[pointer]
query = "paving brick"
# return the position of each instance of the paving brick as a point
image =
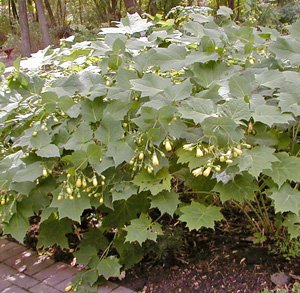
(122, 290)
(3, 241)
(107, 287)
(4, 285)
(14, 289)
(22, 280)
(6, 271)
(19, 258)
(43, 288)
(61, 286)
(39, 265)
(60, 276)
(50, 271)
(7, 246)
(12, 252)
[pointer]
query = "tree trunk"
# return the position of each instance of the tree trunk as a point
(131, 6)
(24, 28)
(43, 23)
(231, 4)
(50, 13)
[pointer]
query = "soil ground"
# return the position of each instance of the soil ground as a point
(217, 264)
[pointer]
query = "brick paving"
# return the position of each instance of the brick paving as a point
(23, 270)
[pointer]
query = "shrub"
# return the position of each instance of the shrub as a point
(147, 113)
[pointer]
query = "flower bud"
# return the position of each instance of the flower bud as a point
(141, 156)
(188, 147)
(95, 181)
(69, 190)
(155, 160)
(168, 146)
(199, 153)
(78, 182)
(229, 161)
(198, 172)
(207, 172)
(149, 169)
(45, 172)
(238, 151)
(218, 168)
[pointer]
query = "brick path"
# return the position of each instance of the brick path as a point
(22, 270)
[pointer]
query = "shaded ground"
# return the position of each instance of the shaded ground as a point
(216, 265)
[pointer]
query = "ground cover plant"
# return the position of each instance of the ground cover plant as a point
(156, 118)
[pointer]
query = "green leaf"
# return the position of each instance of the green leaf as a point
(172, 57)
(286, 48)
(240, 189)
(79, 140)
(270, 115)
(94, 155)
(256, 160)
(109, 267)
(292, 223)
(208, 74)
(48, 151)
(53, 231)
(71, 209)
(179, 92)
(236, 110)
(166, 202)
(30, 173)
(270, 78)
(153, 182)
(123, 190)
(190, 158)
(225, 11)
(66, 86)
(126, 210)
(41, 139)
(240, 87)
(110, 130)
(197, 109)
(118, 46)
(287, 168)
(286, 199)
(197, 215)
(142, 229)
(223, 130)
(94, 237)
(130, 253)
(92, 111)
(19, 222)
(150, 84)
(85, 254)
(120, 151)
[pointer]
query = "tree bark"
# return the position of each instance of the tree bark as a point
(131, 6)
(24, 28)
(43, 23)
(231, 4)
(50, 13)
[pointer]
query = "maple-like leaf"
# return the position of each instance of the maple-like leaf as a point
(165, 201)
(142, 229)
(197, 215)
(256, 160)
(53, 231)
(109, 267)
(154, 182)
(286, 199)
(241, 188)
(287, 168)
